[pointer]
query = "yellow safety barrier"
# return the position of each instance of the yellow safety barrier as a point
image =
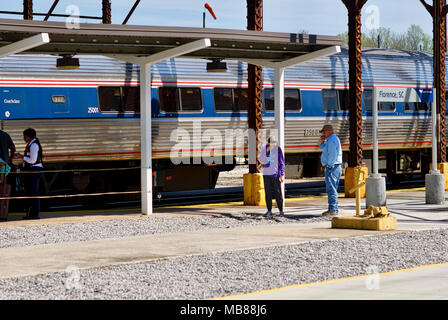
(360, 178)
(253, 186)
(374, 218)
(443, 167)
(351, 178)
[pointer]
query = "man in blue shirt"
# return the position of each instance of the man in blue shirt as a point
(273, 175)
(331, 159)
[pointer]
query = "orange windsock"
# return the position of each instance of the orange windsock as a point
(207, 6)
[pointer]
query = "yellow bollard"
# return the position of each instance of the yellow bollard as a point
(360, 180)
(351, 180)
(443, 167)
(374, 218)
(253, 187)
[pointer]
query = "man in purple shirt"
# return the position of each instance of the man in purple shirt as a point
(273, 175)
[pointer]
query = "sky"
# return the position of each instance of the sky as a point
(325, 17)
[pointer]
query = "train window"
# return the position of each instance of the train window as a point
(292, 100)
(344, 99)
(58, 99)
(174, 99)
(191, 99)
(382, 106)
(240, 99)
(119, 99)
(110, 98)
(223, 99)
(231, 99)
(169, 99)
(416, 106)
(386, 106)
(131, 99)
(330, 100)
(367, 94)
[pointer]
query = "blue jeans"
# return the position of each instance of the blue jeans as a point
(332, 177)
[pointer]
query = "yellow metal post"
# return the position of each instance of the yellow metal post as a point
(358, 201)
(360, 182)
(374, 218)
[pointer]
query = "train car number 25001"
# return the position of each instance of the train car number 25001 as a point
(93, 110)
(311, 133)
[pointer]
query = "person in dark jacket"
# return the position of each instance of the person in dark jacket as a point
(273, 175)
(7, 147)
(7, 152)
(32, 165)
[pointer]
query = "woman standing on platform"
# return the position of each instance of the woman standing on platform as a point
(273, 162)
(32, 165)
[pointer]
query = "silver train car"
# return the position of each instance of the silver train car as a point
(88, 119)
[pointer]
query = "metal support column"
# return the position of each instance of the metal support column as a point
(375, 184)
(438, 12)
(27, 9)
(145, 137)
(255, 85)
(145, 109)
(355, 91)
(279, 110)
(252, 182)
(107, 12)
(355, 159)
(434, 181)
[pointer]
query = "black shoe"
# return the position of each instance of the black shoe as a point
(30, 218)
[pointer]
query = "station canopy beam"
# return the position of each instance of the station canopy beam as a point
(146, 45)
(92, 38)
(24, 44)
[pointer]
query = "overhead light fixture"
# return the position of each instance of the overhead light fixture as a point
(216, 66)
(67, 62)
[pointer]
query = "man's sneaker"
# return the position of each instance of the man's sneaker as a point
(282, 214)
(268, 214)
(329, 213)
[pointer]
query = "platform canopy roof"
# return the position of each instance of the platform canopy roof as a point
(145, 45)
(141, 41)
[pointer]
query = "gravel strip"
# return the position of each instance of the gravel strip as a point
(87, 231)
(228, 273)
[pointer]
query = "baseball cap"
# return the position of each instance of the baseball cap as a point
(327, 127)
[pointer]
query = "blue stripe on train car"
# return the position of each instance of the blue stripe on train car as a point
(69, 102)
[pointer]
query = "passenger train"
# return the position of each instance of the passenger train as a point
(88, 119)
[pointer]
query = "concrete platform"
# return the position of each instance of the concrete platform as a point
(34, 260)
(409, 208)
(421, 283)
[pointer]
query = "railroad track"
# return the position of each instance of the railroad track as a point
(293, 190)
(209, 196)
